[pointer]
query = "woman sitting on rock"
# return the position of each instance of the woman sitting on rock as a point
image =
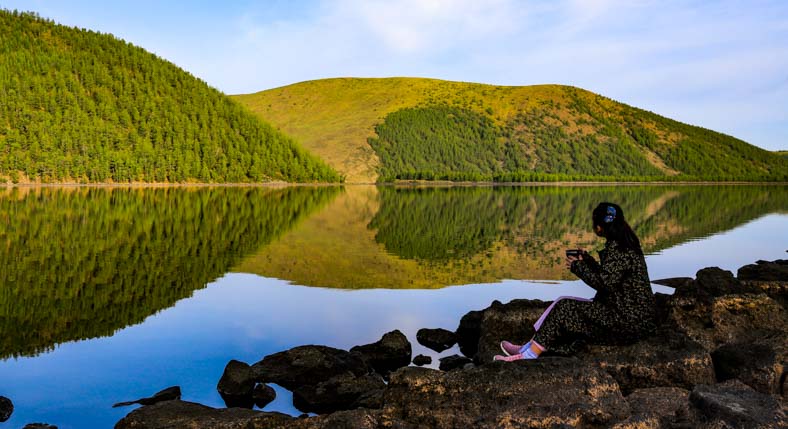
(623, 309)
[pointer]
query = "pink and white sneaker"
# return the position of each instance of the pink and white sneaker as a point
(527, 354)
(511, 358)
(510, 349)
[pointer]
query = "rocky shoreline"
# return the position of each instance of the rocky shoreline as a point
(718, 360)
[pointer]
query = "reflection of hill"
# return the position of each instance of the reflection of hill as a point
(433, 237)
(82, 263)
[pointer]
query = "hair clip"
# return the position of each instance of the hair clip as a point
(611, 214)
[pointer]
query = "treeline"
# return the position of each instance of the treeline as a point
(83, 263)
(579, 140)
(77, 105)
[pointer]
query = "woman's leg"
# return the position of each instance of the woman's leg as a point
(572, 319)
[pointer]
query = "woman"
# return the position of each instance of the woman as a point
(623, 309)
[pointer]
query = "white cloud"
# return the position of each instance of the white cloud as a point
(720, 64)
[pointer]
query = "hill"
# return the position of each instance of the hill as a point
(412, 128)
(80, 106)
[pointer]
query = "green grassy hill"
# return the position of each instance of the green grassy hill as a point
(80, 106)
(411, 128)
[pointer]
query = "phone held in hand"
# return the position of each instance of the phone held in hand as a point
(573, 253)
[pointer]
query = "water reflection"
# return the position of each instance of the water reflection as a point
(84, 262)
(407, 237)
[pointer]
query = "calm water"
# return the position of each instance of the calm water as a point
(112, 294)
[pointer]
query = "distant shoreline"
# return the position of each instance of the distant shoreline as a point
(405, 184)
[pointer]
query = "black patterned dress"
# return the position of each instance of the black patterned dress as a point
(622, 311)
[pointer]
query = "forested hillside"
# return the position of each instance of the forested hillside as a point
(80, 106)
(408, 128)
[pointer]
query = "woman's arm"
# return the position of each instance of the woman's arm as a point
(603, 277)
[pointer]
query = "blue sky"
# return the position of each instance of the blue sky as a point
(719, 64)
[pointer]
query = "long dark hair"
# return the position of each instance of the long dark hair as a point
(610, 217)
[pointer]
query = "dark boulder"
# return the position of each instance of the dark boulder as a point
(468, 332)
(668, 359)
(6, 408)
(747, 317)
(765, 271)
(551, 392)
(422, 360)
(734, 404)
(307, 365)
(180, 414)
(658, 407)
(713, 281)
(436, 339)
(512, 321)
(452, 362)
(263, 395)
(338, 393)
(676, 282)
(391, 352)
(725, 319)
(755, 364)
(237, 384)
(168, 394)
(352, 419)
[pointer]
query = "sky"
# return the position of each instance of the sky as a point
(722, 64)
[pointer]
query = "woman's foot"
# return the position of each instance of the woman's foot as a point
(527, 353)
(510, 349)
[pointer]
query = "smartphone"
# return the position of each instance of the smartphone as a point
(573, 252)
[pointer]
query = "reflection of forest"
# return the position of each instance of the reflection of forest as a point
(405, 237)
(84, 262)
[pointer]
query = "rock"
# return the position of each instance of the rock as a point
(307, 365)
(263, 395)
(355, 419)
(421, 360)
(747, 318)
(777, 290)
(512, 321)
(181, 414)
(391, 352)
(468, 332)
(449, 363)
(39, 426)
(725, 319)
(734, 404)
(6, 408)
(675, 282)
(550, 392)
(237, 384)
(168, 394)
(765, 271)
(338, 393)
(714, 282)
(754, 364)
(658, 407)
(436, 339)
(668, 359)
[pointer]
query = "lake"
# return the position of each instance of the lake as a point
(111, 294)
